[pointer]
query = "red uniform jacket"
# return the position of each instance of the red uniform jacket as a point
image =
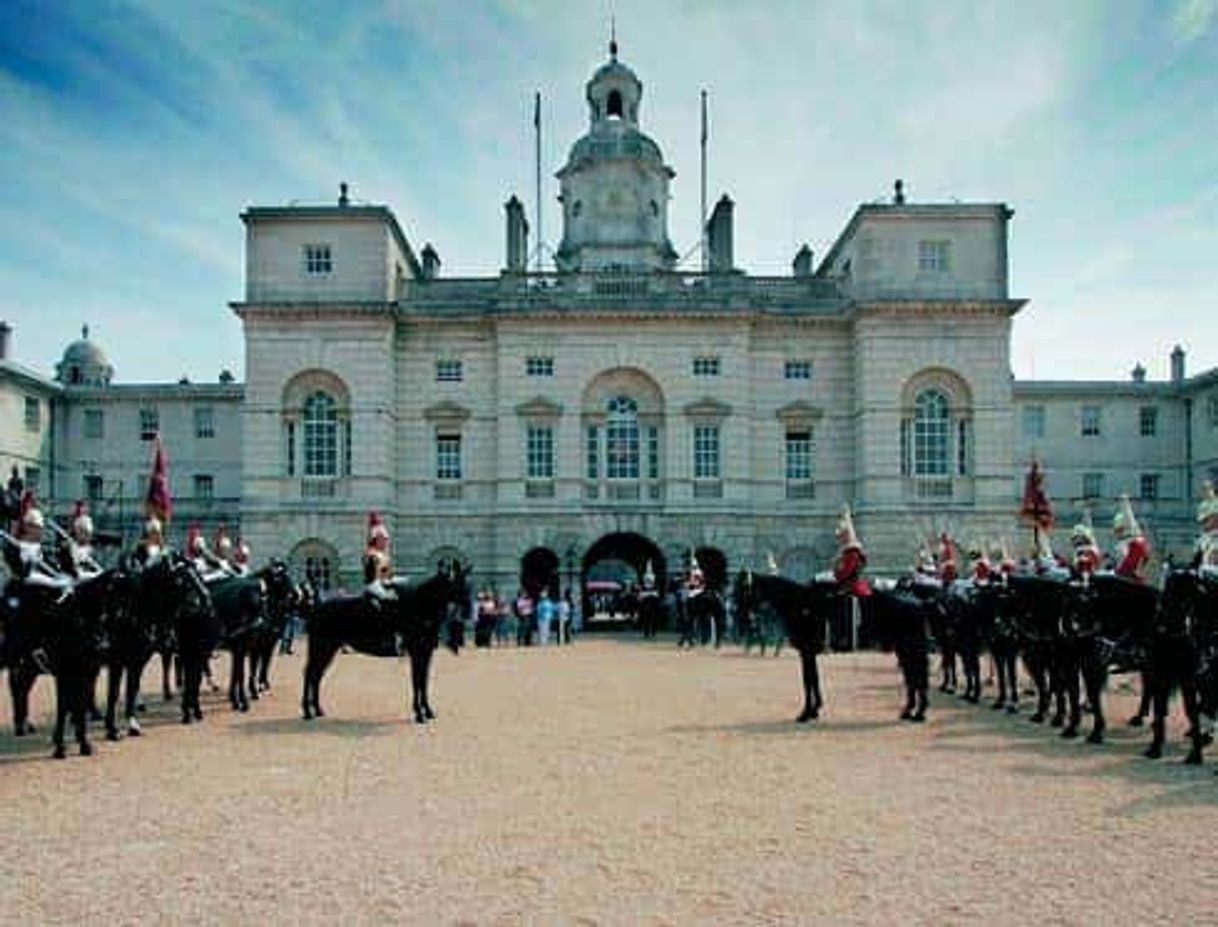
(1087, 559)
(848, 572)
(1136, 553)
(981, 572)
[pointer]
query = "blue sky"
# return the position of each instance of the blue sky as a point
(132, 134)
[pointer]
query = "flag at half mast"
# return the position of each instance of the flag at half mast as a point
(159, 503)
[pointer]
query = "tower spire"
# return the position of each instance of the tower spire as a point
(613, 37)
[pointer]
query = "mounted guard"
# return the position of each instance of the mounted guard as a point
(1132, 548)
(851, 559)
(1206, 551)
(79, 542)
(378, 569)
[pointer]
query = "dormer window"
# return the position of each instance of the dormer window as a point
(614, 104)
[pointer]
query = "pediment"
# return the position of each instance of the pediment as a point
(539, 407)
(446, 411)
(706, 407)
(799, 412)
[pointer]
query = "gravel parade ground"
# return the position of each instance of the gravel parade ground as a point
(609, 782)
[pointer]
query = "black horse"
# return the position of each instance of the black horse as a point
(410, 623)
(803, 611)
(1183, 654)
(651, 612)
(282, 597)
(901, 618)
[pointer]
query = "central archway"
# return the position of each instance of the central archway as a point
(615, 563)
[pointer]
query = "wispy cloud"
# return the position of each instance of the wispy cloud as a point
(1191, 19)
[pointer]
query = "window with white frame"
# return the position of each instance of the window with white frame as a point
(706, 366)
(538, 366)
(706, 452)
(448, 457)
(1090, 421)
(318, 261)
(93, 488)
(622, 439)
(934, 257)
(1033, 421)
(33, 413)
(150, 423)
(1148, 486)
(1148, 421)
(931, 434)
(204, 486)
(448, 370)
(95, 423)
(319, 423)
(1093, 485)
(317, 571)
(799, 456)
(539, 452)
(592, 452)
(205, 422)
(797, 370)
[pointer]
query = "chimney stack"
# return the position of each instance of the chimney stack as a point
(517, 236)
(1177, 365)
(719, 237)
(431, 262)
(898, 193)
(802, 265)
(342, 194)
(1138, 374)
(5, 331)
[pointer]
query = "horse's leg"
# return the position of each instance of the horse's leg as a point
(425, 659)
(61, 710)
(20, 681)
(416, 690)
(114, 677)
(1188, 694)
(321, 652)
(166, 668)
(1144, 703)
(91, 676)
(1095, 675)
(81, 684)
(903, 664)
(1070, 682)
(1161, 691)
(811, 685)
(135, 670)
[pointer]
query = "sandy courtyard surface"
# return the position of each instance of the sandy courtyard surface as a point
(609, 782)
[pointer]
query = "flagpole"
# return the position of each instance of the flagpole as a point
(702, 227)
(537, 133)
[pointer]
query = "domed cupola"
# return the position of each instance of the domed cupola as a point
(84, 364)
(615, 183)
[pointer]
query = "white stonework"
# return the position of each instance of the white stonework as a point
(375, 383)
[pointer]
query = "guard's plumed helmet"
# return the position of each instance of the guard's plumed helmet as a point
(649, 576)
(222, 543)
(1124, 524)
(1082, 535)
(82, 524)
(31, 515)
(152, 528)
(845, 533)
(376, 528)
(195, 544)
(241, 554)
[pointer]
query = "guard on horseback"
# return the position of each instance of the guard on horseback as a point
(948, 568)
(1206, 554)
(1132, 548)
(209, 567)
(223, 546)
(39, 582)
(851, 558)
(241, 558)
(1087, 557)
(378, 570)
(151, 546)
(695, 582)
(979, 566)
(79, 541)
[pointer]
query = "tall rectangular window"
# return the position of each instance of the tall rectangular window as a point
(539, 366)
(448, 457)
(95, 423)
(205, 422)
(33, 413)
(93, 488)
(592, 453)
(1033, 421)
(318, 261)
(1211, 408)
(347, 447)
(706, 452)
(1148, 486)
(963, 446)
(799, 456)
(934, 257)
(290, 450)
(204, 486)
(1093, 485)
(448, 371)
(1090, 419)
(539, 452)
(797, 370)
(150, 423)
(1148, 421)
(707, 366)
(653, 452)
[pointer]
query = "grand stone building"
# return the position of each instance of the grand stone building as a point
(621, 408)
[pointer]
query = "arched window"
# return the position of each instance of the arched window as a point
(931, 434)
(320, 420)
(622, 439)
(614, 104)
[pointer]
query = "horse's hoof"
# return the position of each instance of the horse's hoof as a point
(1012, 709)
(112, 735)
(1095, 737)
(133, 728)
(1193, 758)
(86, 749)
(318, 713)
(1037, 718)
(998, 706)
(1069, 733)
(906, 715)
(186, 719)
(60, 753)
(1152, 752)
(1056, 721)
(243, 707)
(198, 714)
(1136, 721)
(141, 707)
(918, 718)
(95, 715)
